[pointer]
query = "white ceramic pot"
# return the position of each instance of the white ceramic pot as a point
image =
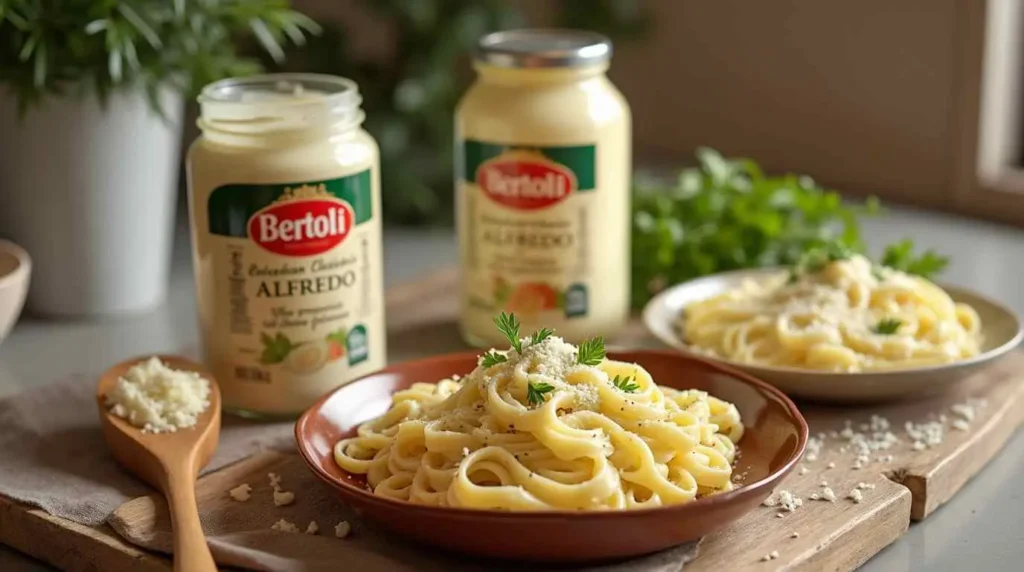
(90, 193)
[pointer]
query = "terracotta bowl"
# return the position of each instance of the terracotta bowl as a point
(775, 437)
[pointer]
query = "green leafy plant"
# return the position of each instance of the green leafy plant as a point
(900, 256)
(96, 46)
(275, 348)
(410, 96)
(726, 214)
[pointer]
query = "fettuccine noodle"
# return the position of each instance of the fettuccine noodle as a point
(847, 316)
(480, 442)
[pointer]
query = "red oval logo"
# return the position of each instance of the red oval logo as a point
(525, 185)
(302, 227)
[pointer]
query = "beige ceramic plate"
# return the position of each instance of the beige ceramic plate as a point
(1000, 326)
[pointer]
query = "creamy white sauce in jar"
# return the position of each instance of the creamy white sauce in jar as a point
(542, 187)
(284, 197)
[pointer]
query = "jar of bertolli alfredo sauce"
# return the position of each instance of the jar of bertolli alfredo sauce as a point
(542, 191)
(284, 197)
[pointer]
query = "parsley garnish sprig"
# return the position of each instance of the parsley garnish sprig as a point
(508, 325)
(535, 392)
(541, 335)
(887, 326)
(625, 384)
(493, 358)
(591, 351)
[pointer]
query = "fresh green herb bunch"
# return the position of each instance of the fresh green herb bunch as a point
(76, 46)
(726, 214)
(900, 256)
(591, 352)
(897, 256)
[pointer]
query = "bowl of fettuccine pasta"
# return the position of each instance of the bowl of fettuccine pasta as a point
(845, 330)
(547, 451)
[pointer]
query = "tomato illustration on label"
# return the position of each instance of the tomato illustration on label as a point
(532, 297)
(303, 227)
(525, 181)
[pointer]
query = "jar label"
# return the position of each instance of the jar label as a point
(525, 212)
(291, 279)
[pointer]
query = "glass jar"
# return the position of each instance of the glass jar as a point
(284, 198)
(542, 187)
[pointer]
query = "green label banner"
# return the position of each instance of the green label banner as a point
(231, 206)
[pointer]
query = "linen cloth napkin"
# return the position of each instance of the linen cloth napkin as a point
(53, 456)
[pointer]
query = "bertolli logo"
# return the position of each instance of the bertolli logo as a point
(525, 180)
(301, 226)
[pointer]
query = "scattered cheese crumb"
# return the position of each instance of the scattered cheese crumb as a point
(964, 410)
(795, 535)
(856, 496)
(828, 495)
(342, 529)
(241, 492)
(865, 486)
(785, 500)
(831, 465)
(780, 515)
(774, 554)
(275, 481)
(804, 470)
(313, 527)
(284, 526)
(465, 451)
(961, 425)
(814, 496)
(283, 498)
(929, 434)
(157, 398)
(919, 446)
(766, 558)
(814, 446)
(823, 483)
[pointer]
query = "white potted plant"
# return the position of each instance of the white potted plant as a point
(91, 104)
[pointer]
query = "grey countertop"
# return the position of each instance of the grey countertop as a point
(980, 529)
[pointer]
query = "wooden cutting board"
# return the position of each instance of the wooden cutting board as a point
(838, 535)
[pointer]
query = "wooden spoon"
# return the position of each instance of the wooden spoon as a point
(169, 462)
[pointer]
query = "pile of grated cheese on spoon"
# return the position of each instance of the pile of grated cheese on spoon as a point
(159, 399)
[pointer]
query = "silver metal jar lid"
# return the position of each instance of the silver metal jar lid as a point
(543, 48)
